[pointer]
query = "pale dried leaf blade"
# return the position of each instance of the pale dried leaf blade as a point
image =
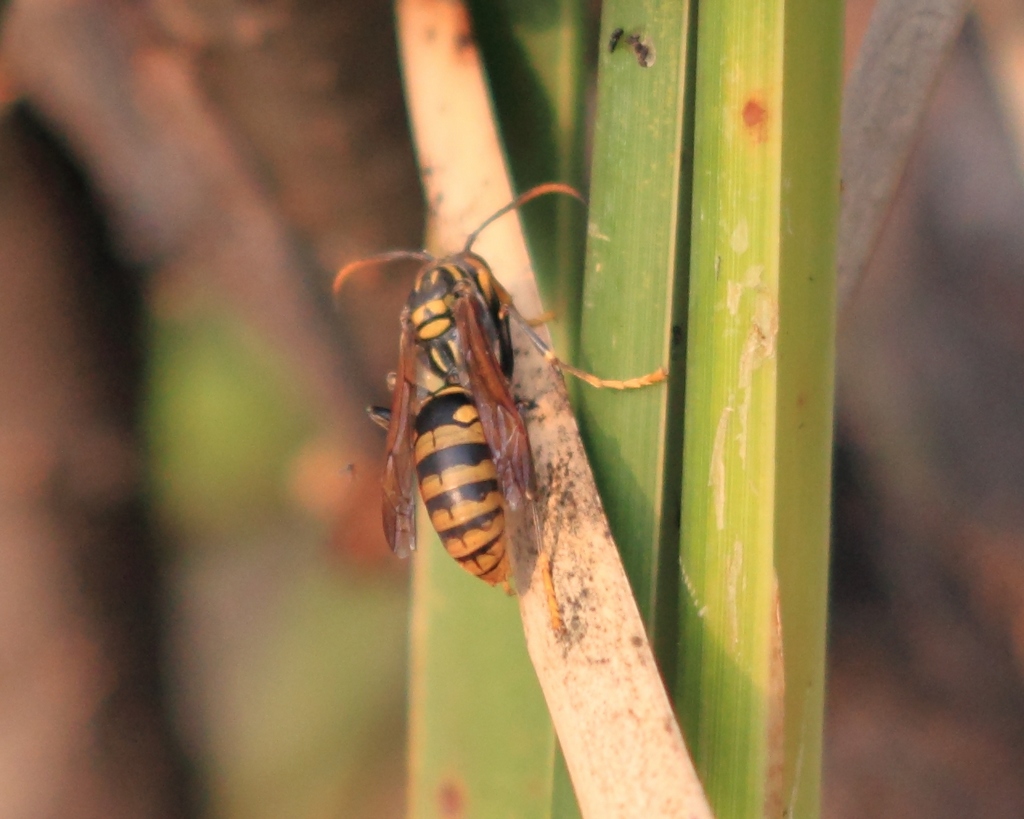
(613, 717)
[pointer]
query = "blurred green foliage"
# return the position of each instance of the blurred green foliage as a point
(291, 662)
(224, 418)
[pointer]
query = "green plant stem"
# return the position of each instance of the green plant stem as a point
(759, 399)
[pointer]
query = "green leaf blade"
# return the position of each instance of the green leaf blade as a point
(635, 274)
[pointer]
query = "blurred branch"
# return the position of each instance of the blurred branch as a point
(899, 62)
(85, 730)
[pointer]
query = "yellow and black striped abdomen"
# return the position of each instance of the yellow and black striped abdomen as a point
(459, 484)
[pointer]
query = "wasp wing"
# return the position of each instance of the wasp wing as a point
(399, 501)
(502, 425)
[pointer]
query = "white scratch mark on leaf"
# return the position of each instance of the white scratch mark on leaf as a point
(716, 480)
(732, 299)
(692, 591)
(751, 281)
(740, 239)
(752, 276)
(734, 582)
(758, 347)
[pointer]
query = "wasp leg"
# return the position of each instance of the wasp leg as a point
(647, 380)
(381, 416)
(554, 610)
(543, 318)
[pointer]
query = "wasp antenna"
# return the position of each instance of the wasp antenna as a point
(380, 258)
(522, 199)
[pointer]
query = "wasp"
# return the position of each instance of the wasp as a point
(454, 423)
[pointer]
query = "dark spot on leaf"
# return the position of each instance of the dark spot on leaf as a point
(451, 799)
(755, 117)
(643, 48)
(753, 113)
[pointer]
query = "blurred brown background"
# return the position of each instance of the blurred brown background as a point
(925, 698)
(198, 616)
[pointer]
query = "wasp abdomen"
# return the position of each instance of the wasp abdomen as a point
(459, 483)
